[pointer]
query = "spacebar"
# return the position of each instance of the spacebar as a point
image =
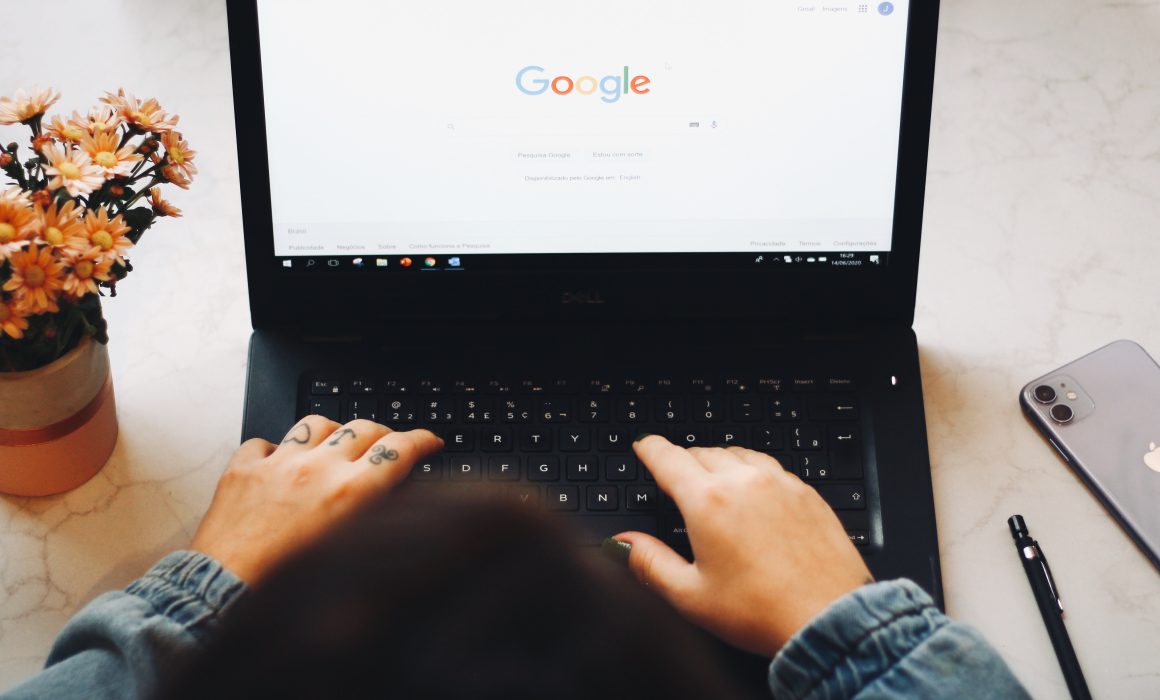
(594, 529)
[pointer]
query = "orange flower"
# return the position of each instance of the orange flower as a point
(142, 116)
(160, 206)
(69, 132)
(72, 170)
(107, 235)
(24, 107)
(37, 277)
(114, 161)
(12, 321)
(85, 270)
(98, 120)
(61, 226)
(18, 222)
(180, 154)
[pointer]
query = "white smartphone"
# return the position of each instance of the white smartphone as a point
(1102, 414)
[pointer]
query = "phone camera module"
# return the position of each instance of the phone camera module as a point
(1045, 394)
(1061, 413)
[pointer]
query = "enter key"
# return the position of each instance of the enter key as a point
(845, 452)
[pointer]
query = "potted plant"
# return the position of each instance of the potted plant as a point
(87, 189)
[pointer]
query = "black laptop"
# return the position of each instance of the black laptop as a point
(540, 230)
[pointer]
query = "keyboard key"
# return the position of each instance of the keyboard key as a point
(555, 410)
(612, 440)
(582, 468)
(633, 386)
(770, 385)
(805, 437)
(430, 469)
(640, 498)
(459, 441)
(363, 409)
(813, 467)
(784, 408)
(634, 410)
(692, 437)
(597, 386)
(671, 410)
(860, 538)
(398, 387)
(431, 386)
(325, 387)
(594, 410)
(531, 386)
(465, 468)
(746, 409)
(843, 496)
(735, 385)
(575, 440)
(497, 440)
(516, 410)
(562, 498)
(477, 410)
(805, 384)
(707, 409)
(665, 385)
(594, 529)
(846, 453)
(620, 468)
(399, 412)
(465, 387)
(535, 440)
(701, 385)
(767, 438)
(729, 436)
(503, 468)
(498, 387)
(834, 407)
(329, 408)
(362, 386)
(439, 410)
(543, 469)
(563, 387)
(840, 383)
(527, 494)
(602, 498)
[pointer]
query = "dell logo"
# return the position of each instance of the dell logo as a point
(585, 297)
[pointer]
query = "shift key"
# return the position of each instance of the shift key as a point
(843, 496)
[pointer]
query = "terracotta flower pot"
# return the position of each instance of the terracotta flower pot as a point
(58, 423)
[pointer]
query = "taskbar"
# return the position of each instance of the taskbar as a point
(378, 263)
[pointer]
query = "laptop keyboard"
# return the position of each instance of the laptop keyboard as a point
(564, 444)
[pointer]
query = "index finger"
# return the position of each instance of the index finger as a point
(677, 472)
(389, 460)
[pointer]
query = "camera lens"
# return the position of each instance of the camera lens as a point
(1061, 413)
(1044, 394)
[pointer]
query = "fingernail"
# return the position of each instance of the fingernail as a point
(640, 437)
(616, 550)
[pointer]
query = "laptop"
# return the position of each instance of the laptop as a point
(542, 229)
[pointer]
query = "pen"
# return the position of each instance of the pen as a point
(1050, 605)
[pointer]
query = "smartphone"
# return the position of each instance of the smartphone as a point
(1102, 414)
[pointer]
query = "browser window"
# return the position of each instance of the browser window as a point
(444, 129)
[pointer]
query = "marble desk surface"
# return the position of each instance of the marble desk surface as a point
(1041, 242)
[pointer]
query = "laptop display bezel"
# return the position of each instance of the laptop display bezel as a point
(816, 296)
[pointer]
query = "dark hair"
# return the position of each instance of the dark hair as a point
(450, 598)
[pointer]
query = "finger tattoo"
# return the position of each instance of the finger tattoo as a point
(380, 453)
(299, 435)
(340, 435)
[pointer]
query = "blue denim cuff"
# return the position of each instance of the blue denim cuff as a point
(856, 639)
(190, 588)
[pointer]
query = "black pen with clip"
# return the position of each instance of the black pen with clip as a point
(1050, 606)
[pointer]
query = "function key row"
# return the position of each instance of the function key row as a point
(401, 410)
(366, 386)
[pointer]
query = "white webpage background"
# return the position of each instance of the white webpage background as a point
(397, 126)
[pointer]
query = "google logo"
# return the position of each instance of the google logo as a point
(530, 81)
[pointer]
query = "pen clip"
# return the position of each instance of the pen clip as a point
(1037, 553)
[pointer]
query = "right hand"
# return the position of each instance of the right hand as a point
(770, 554)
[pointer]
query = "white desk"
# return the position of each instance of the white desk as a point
(1041, 240)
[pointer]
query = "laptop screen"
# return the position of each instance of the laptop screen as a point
(453, 136)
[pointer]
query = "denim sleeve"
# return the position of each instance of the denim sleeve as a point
(888, 640)
(119, 645)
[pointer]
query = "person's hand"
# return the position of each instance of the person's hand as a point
(271, 500)
(769, 553)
